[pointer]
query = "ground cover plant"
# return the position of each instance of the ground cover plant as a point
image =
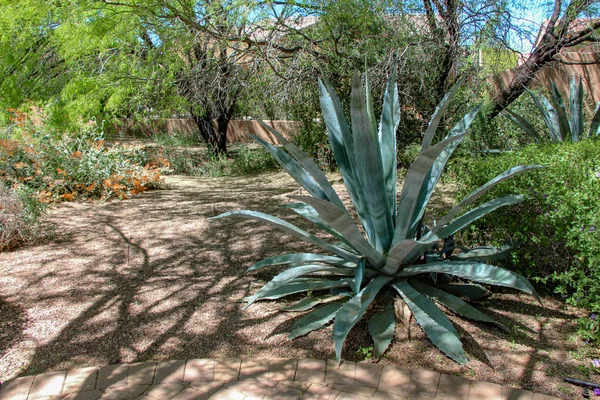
(555, 233)
(400, 255)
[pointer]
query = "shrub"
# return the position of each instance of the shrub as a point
(556, 231)
(399, 258)
(19, 217)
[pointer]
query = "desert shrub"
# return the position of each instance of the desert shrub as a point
(312, 139)
(555, 233)
(71, 165)
(20, 212)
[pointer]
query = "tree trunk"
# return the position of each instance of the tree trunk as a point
(215, 137)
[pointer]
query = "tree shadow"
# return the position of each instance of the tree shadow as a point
(13, 320)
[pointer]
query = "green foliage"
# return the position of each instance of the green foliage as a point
(557, 229)
(398, 252)
(20, 213)
(562, 123)
(312, 139)
(62, 168)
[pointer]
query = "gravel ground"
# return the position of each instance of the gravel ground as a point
(150, 279)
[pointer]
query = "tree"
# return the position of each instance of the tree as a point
(571, 24)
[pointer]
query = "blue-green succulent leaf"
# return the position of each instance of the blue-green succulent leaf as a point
(595, 124)
(382, 326)
(523, 124)
(309, 165)
(314, 320)
(307, 303)
(298, 258)
(293, 168)
(473, 271)
(353, 310)
(576, 106)
(301, 285)
(548, 114)
(455, 304)
(438, 114)
(294, 230)
(559, 112)
(369, 170)
(308, 212)
(433, 321)
(358, 275)
(342, 223)
(484, 254)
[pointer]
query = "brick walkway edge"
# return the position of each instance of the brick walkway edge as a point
(254, 379)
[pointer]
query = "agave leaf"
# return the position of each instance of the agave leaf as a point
(595, 124)
(455, 304)
(353, 310)
(309, 165)
(294, 230)
(291, 274)
(406, 252)
(472, 291)
(358, 275)
(474, 271)
(369, 101)
(301, 285)
(433, 321)
(308, 212)
(548, 114)
(438, 114)
(476, 213)
(390, 119)
(296, 258)
(382, 327)
(558, 107)
(484, 254)
(417, 174)
(293, 168)
(369, 170)
(576, 106)
(480, 191)
(342, 223)
(437, 168)
(314, 320)
(342, 144)
(306, 303)
(523, 124)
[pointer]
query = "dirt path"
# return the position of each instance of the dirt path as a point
(152, 279)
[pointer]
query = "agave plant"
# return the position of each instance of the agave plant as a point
(397, 255)
(560, 124)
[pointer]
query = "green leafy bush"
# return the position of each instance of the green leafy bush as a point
(556, 231)
(399, 258)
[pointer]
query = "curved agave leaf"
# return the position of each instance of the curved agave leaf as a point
(576, 107)
(358, 275)
(307, 303)
(309, 165)
(548, 114)
(523, 124)
(342, 144)
(558, 108)
(308, 212)
(298, 258)
(474, 271)
(382, 327)
(472, 291)
(484, 254)
(342, 223)
(404, 251)
(390, 119)
(438, 114)
(291, 274)
(314, 320)
(595, 124)
(369, 170)
(301, 285)
(433, 321)
(455, 304)
(437, 168)
(369, 101)
(480, 191)
(294, 230)
(293, 168)
(353, 310)
(415, 178)
(478, 212)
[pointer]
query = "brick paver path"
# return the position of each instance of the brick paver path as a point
(247, 379)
